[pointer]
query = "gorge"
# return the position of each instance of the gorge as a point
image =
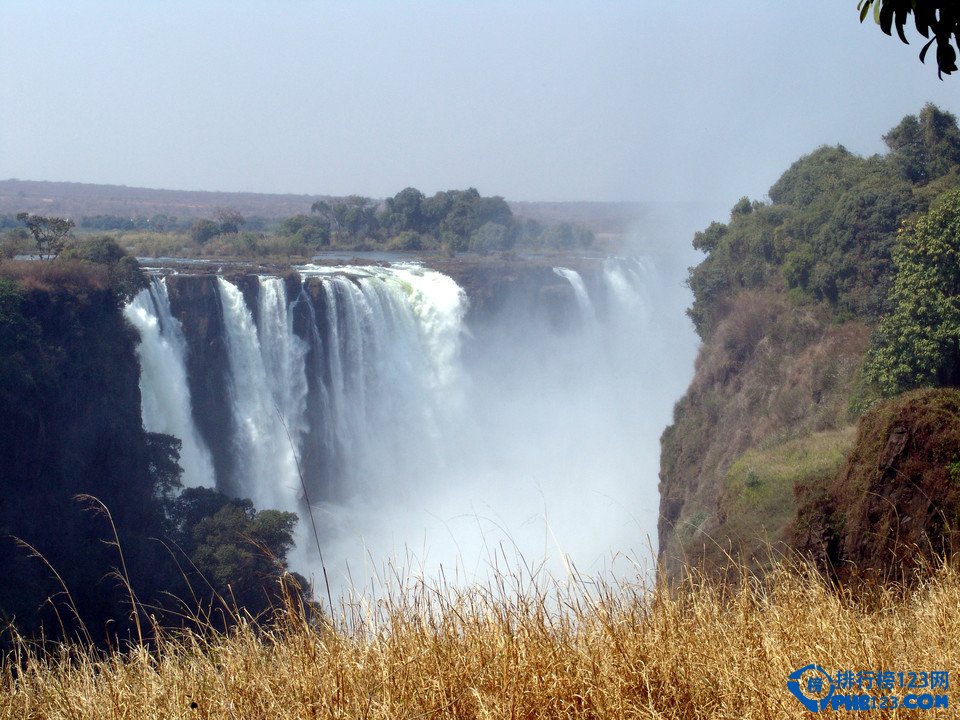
(438, 419)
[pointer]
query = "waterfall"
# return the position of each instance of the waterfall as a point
(267, 465)
(284, 355)
(539, 438)
(630, 280)
(389, 372)
(587, 312)
(164, 393)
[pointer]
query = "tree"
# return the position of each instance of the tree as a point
(927, 147)
(50, 233)
(918, 343)
(354, 217)
(308, 230)
(325, 211)
(203, 230)
(230, 221)
(490, 237)
(940, 17)
(404, 211)
(240, 551)
(126, 277)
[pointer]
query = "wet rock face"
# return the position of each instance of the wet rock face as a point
(195, 302)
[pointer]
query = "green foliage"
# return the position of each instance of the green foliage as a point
(821, 174)
(918, 343)
(126, 277)
(239, 551)
(22, 357)
(448, 222)
(404, 212)
(925, 148)
(707, 240)
(306, 230)
(163, 458)
(100, 249)
(939, 17)
(490, 237)
(954, 469)
(829, 234)
(410, 240)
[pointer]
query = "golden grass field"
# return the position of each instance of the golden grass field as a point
(519, 647)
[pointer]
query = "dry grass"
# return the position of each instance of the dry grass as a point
(520, 647)
(69, 275)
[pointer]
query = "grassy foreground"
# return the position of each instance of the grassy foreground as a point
(517, 648)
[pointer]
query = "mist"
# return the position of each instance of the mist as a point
(548, 450)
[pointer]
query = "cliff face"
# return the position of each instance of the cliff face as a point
(69, 424)
(768, 406)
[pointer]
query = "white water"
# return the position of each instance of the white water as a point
(587, 312)
(164, 394)
(266, 464)
(283, 355)
(392, 358)
(426, 445)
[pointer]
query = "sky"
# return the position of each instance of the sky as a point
(691, 100)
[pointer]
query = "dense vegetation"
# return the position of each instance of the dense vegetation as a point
(78, 473)
(790, 289)
(918, 342)
(828, 233)
(448, 222)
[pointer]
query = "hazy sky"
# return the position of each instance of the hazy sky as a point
(683, 100)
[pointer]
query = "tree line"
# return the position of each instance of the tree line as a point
(448, 222)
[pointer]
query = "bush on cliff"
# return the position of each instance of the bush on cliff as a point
(918, 343)
(896, 503)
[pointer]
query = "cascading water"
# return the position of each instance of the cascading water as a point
(423, 441)
(587, 313)
(164, 393)
(266, 465)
